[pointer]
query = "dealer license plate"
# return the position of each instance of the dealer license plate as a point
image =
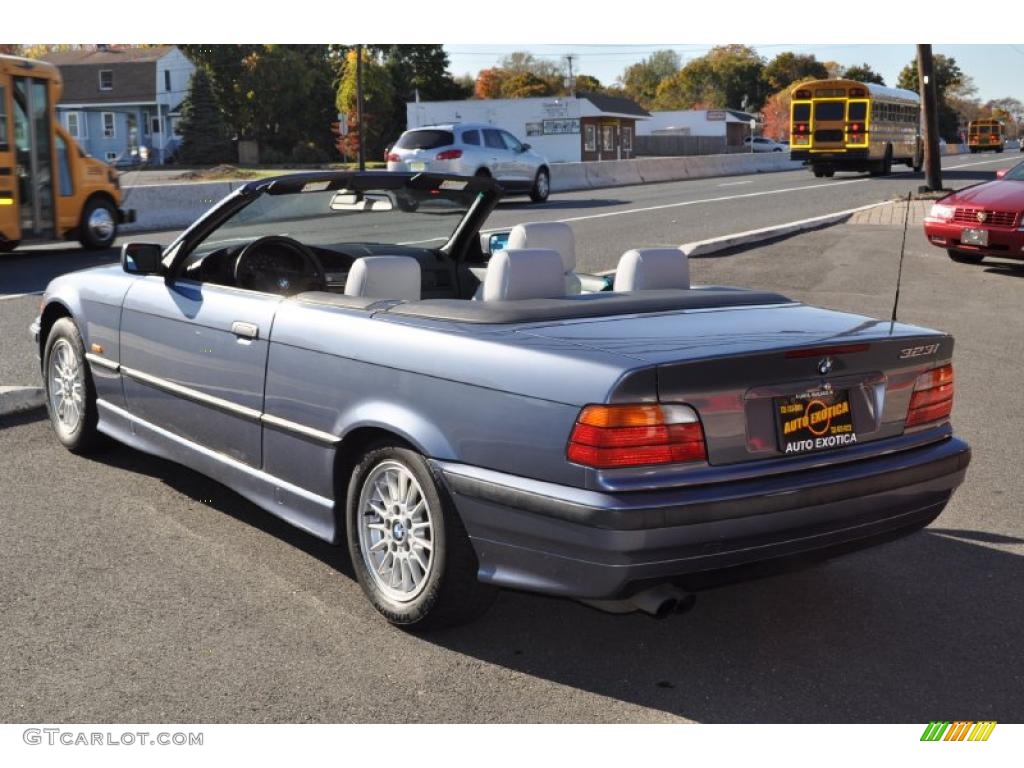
(417, 166)
(814, 421)
(974, 237)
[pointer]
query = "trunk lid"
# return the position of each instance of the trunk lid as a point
(741, 367)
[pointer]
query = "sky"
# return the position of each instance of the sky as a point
(998, 70)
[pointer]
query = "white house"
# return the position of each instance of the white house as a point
(730, 124)
(122, 104)
(587, 126)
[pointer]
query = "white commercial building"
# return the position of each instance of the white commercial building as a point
(730, 124)
(588, 126)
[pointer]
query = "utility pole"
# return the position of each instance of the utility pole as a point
(359, 105)
(570, 81)
(929, 99)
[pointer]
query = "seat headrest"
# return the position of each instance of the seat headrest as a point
(384, 277)
(524, 273)
(554, 235)
(644, 269)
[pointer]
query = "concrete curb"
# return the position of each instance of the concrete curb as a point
(18, 399)
(715, 244)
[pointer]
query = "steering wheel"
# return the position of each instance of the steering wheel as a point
(279, 264)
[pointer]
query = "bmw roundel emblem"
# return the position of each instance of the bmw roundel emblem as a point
(825, 366)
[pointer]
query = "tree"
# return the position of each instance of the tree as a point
(489, 83)
(523, 85)
(789, 67)
(204, 136)
(640, 81)
(834, 69)
(863, 73)
(728, 76)
(378, 103)
(950, 82)
(588, 84)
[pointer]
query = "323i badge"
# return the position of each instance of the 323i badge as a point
(814, 421)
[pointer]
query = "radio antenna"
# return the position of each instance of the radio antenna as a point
(899, 274)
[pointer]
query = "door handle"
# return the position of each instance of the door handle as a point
(245, 330)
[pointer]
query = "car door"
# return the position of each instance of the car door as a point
(519, 159)
(193, 359)
(498, 155)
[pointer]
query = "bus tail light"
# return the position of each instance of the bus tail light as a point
(933, 397)
(608, 436)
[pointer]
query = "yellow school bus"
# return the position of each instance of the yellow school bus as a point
(985, 135)
(49, 188)
(844, 125)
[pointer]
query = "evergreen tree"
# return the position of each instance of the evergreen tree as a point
(204, 139)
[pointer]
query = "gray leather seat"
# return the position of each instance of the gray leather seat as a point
(554, 235)
(384, 277)
(524, 273)
(645, 269)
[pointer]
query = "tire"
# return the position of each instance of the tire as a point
(6, 246)
(482, 173)
(884, 166)
(999, 151)
(431, 542)
(818, 174)
(828, 173)
(65, 370)
(98, 228)
(541, 186)
(964, 257)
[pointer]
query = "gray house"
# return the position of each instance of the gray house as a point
(122, 104)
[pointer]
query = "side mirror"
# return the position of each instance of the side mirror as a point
(525, 146)
(498, 241)
(1001, 172)
(142, 258)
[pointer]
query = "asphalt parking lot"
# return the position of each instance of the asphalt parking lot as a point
(133, 590)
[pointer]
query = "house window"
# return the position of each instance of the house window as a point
(109, 130)
(154, 126)
(608, 137)
(145, 123)
(111, 156)
(106, 79)
(167, 79)
(64, 168)
(627, 139)
(77, 127)
(590, 138)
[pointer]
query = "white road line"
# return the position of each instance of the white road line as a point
(980, 162)
(735, 183)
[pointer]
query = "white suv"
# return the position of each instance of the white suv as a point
(473, 149)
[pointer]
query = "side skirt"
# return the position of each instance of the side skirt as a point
(308, 511)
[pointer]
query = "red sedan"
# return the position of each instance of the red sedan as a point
(983, 220)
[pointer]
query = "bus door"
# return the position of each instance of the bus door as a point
(9, 226)
(33, 156)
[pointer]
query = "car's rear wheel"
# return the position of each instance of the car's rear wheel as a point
(965, 257)
(482, 173)
(409, 549)
(98, 228)
(541, 186)
(70, 392)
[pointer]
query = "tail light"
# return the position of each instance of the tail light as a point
(449, 154)
(933, 397)
(392, 157)
(801, 128)
(607, 436)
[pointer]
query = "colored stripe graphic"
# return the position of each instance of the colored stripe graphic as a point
(960, 730)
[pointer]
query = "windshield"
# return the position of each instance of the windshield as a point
(329, 219)
(1016, 173)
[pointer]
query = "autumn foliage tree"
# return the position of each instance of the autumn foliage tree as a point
(378, 102)
(489, 83)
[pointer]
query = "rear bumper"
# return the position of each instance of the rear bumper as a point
(584, 544)
(1007, 243)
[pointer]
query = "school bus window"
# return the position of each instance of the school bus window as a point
(857, 110)
(801, 112)
(828, 110)
(3, 120)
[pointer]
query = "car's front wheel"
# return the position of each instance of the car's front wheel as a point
(70, 393)
(409, 549)
(963, 257)
(541, 186)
